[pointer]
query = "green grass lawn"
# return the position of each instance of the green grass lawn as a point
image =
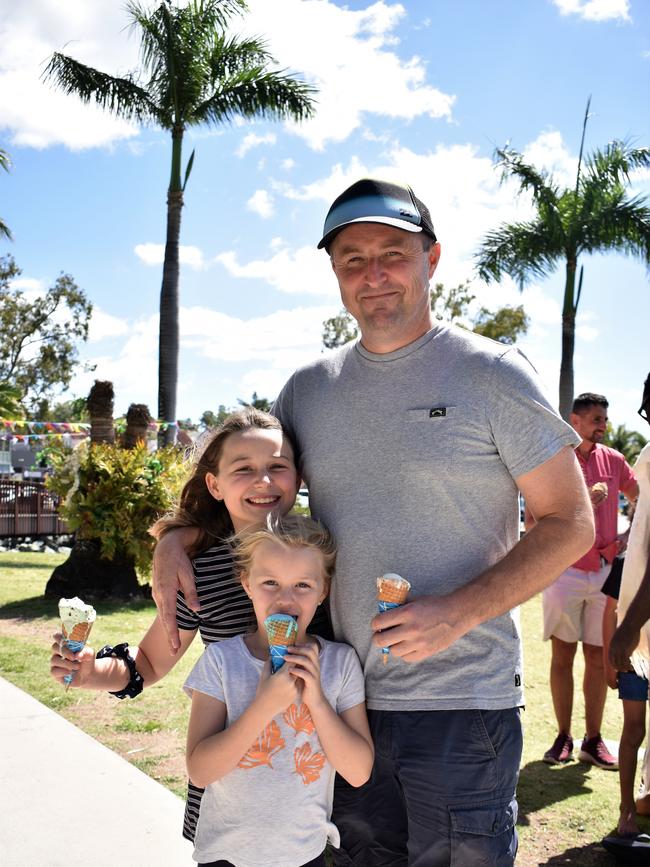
(564, 811)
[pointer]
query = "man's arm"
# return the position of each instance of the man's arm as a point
(557, 498)
(626, 637)
(172, 571)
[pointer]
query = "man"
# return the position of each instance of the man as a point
(414, 443)
(630, 645)
(573, 605)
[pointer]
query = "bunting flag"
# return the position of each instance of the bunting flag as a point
(20, 429)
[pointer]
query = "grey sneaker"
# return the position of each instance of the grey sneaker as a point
(561, 751)
(595, 751)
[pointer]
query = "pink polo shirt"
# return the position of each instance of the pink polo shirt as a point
(604, 465)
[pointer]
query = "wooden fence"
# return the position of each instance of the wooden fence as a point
(28, 509)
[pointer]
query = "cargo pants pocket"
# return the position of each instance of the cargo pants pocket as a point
(484, 834)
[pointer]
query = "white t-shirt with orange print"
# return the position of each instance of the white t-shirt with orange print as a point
(274, 808)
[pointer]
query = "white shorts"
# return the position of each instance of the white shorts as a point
(573, 606)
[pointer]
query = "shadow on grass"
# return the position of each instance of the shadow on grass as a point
(33, 567)
(38, 607)
(590, 855)
(541, 785)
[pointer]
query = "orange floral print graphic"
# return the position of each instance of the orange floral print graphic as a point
(308, 764)
(265, 747)
(299, 719)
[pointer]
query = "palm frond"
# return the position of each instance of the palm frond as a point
(522, 250)
(122, 96)
(5, 160)
(613, 164)
(620, 225)
(258, 93)
(539, 183)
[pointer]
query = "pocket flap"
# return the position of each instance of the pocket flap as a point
(489, 820)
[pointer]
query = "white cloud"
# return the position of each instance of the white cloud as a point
(261, 203)
(288, 164)
(35, 113)
(302, 271)
(103, 325)
(587, 333)
(350, 62)
(353, 46)
(28, 284)
(595, 10)
(154, 254)
(252, 141)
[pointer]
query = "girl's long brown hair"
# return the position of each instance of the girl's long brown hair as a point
(196, 506)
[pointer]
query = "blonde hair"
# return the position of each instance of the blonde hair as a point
(291, 531)
(196, 506)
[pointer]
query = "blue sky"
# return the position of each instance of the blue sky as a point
(420, 91)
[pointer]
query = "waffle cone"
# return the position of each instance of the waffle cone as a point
(392, 588)
(79, 632)
(281, 631)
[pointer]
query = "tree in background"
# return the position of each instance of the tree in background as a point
(594, 216)
(5, 163)
(628, 442)
(211, 419)
(505, 324)
(261, 403)
(38, 350)
(193, 73)
(10, 406)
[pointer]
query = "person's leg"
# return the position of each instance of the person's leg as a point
(562, 656)
(628, 751)
(371, 819)
(458, 771)
(643, 795)
(594, 688)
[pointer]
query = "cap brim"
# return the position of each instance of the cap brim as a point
(406, 225)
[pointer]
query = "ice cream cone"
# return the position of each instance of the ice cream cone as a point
(392, 591)
(281, 630)
(77, 620)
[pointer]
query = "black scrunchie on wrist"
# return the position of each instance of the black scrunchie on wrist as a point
(121, 651)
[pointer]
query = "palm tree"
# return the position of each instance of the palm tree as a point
(192, 73)
(595, 216)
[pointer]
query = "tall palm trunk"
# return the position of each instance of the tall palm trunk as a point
(100, 410)
(568, 340)
(137, 422)
(168, 336)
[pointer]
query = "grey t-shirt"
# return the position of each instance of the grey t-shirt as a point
(411, 459)
(274, 808)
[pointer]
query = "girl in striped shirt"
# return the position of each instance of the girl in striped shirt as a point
(244, 473)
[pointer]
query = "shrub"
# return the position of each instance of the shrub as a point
(113, 495)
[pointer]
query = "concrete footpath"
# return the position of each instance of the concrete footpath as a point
(66, 799)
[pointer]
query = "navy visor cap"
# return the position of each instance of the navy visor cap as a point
(373, 201)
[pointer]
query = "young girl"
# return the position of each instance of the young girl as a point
(245, 472)
(266, 746)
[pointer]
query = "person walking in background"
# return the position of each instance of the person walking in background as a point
(574, 605)
(633, 692)
(630, 645)
(414, 443)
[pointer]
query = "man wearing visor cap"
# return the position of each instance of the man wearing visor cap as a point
(414, 442)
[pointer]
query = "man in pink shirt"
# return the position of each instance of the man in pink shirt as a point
(573, 605)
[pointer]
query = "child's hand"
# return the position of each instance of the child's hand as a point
(303, 662)
(277, 691)
(611, 676)
(63, 661)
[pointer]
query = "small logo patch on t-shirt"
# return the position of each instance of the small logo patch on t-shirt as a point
(438, 412)
(517, 680)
